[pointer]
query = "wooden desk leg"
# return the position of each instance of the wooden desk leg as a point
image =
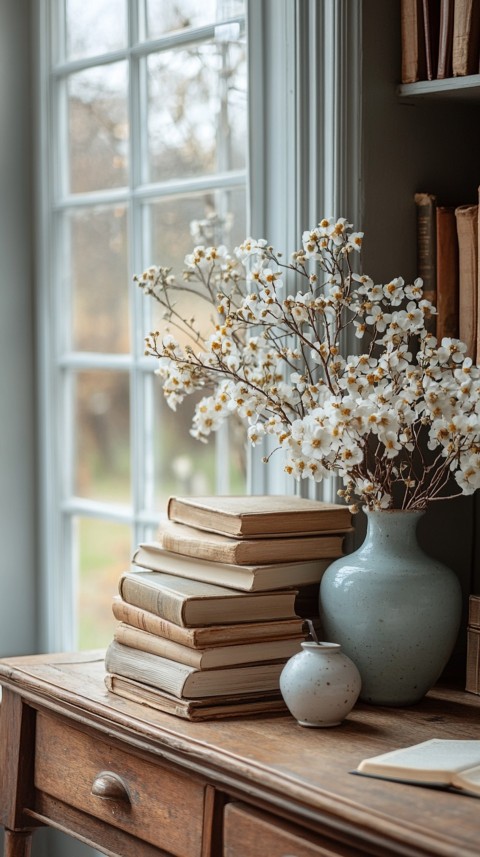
(17, 844)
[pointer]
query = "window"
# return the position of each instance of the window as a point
(143, 131)
(147, 141)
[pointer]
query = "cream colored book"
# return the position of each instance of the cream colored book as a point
(202, 659)
(210, 635)
(248, 578)
(259, 516)
(188, 682)
(179, 538)
(209, 708)
(192, 603)
(450, 764)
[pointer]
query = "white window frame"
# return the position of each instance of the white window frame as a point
(304, 161)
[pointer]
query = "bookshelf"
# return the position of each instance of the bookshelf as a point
(420, 137)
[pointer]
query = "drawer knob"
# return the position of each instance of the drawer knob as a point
(110, 786)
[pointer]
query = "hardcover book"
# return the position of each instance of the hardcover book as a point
(208, 658)
(466, 37)
(188, 682)
(249, 578)
(447, 273)
(192, 603)
(467, 231)
(413, 41)
(182, 539)
(209, 708)
(427, 247)
(449, 764)
(210, 635)
(259, 515)
(445, 39)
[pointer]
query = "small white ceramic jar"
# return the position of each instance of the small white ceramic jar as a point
(320, 684)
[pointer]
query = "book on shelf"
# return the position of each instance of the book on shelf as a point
(466, 37)
(192, 603)
(426, 204)
(413, 41)
(179, 538)
(467, 231)
(445, 39)
(188, 682)
(441, 763)
(259, 516)
(208, 658)
(209, 635)
(431, 29)
(472, 681)
(447, 273)
(208, 708)
(249, 578)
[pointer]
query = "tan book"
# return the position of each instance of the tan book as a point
(474, 611)
(209, 708)
(442, 763)
(466, 37)
(472, 679)
(249, 578)
(210, 658)
(447, 273)
(426, 204)
(259, 516)
(187, 682)
(192, 603)
(413, 41)
(179, 538)
(210, 635)
(445, 39)
(467, 231)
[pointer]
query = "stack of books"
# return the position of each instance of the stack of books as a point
(217, 604)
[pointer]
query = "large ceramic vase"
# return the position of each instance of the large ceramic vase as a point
(394, 610)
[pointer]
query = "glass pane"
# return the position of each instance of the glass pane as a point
(102, 552)
(98, 128)
(181, 222)
(99, 279)
(163, 16)
(95, 28)
(196, 110)
(102, 436)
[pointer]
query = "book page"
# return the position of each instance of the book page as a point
(468, 780)
(433, 761)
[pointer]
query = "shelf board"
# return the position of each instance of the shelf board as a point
(453, 88)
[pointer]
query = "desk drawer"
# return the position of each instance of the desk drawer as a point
(153, 803)
(253, 833)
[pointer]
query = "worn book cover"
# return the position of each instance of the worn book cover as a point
(467, 231)
(414, 65)
(210, 635)
(445, 39)
(447, 273)
(209, 708)
(182, 539)
(259, 515)
(249, 578)
(466, 37)
(427, 248)
(208, 658)
(192, 603)
(188, 682)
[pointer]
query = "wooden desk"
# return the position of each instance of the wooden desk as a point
(252, 787)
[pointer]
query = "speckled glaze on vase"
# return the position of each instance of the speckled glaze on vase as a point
(320, 684)
(395, 611)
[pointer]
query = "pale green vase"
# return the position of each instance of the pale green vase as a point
(394, 610)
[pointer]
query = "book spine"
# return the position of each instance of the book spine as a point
(138, 618)
(472, 682)
(447, 274)
(445, 39)
(466, 37)
(168, 605)
(467, 231)
(150, 669)
(431, 24)
(474, 611)
(427, 248)
(201, 549)
(413, 42)
(146, 642)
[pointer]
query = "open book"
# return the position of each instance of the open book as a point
(448, 764)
